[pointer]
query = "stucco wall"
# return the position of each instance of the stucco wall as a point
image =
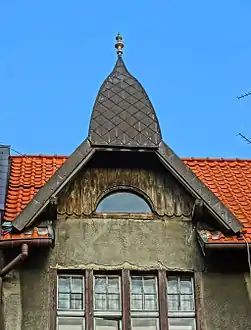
(226, 302)
(111, 243)
(12, 307)
(137, 243)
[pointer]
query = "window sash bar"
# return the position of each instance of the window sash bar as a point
(198, 297)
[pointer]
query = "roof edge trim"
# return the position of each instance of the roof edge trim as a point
(197, 188)
(52, 187)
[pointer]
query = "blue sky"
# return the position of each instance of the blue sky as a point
(192, 57)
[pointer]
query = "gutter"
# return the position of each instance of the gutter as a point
(225, 246)
(37, 242)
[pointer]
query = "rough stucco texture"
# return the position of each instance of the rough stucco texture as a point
(140, 244)
(12, 301)
(226, 302)
(34, 278)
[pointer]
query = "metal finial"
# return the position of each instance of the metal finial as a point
(119, 45)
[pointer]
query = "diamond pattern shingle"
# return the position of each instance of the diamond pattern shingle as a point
(123, 114)
(230, 180)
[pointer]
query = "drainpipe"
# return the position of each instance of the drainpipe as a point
(23, 255)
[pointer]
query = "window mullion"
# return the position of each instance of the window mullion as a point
(89, 300)
(53, 298)
(198, 295)
(162, 294)
(126, 317)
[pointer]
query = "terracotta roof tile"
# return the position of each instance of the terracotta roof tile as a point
(27, 175)
(229, 179)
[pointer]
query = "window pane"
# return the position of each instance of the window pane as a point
(137, 302)
(137, 285)
(113, 302)
(181, 324)
(100, 284)
(173, 285)
(173, 302)
(186, 303)
(186, 286)
(145, 324)
(100, 301)
(70, 323)
(76, 301)
(76, 285)
(150, 302)
(107, 293)
(125, 202)
(149, 285)
(113, 285)
(103, 324)
(64, 284)
(64, 301)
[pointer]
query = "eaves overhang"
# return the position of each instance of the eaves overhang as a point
(59, 179)
(197, 188)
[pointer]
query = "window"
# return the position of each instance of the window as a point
(181, 304)
(107, 302)
(123, 202)
(143, 301)
(70, 302)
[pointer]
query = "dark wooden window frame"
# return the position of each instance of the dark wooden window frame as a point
(125, 289)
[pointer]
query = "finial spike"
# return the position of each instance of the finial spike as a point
(119, 44)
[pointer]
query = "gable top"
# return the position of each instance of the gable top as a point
(123, 115)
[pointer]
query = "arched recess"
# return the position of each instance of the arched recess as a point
(123, 200)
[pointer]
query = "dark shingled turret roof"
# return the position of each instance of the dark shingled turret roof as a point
(123, 115)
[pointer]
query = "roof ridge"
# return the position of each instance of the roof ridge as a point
(217, 159)
(38, 156)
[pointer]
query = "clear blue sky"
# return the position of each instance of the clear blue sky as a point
(192, 57)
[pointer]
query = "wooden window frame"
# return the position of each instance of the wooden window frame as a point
(71, 313)
(182, 314)
(162, 276)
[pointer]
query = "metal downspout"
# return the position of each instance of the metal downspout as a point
(23, 255)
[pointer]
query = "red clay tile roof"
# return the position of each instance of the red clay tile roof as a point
(27, 175)
(229, 179)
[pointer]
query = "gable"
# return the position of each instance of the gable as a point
(228, 179)
(141, 173)
(217, 174)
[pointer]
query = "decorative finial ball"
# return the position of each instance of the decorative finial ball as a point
(119, 44)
